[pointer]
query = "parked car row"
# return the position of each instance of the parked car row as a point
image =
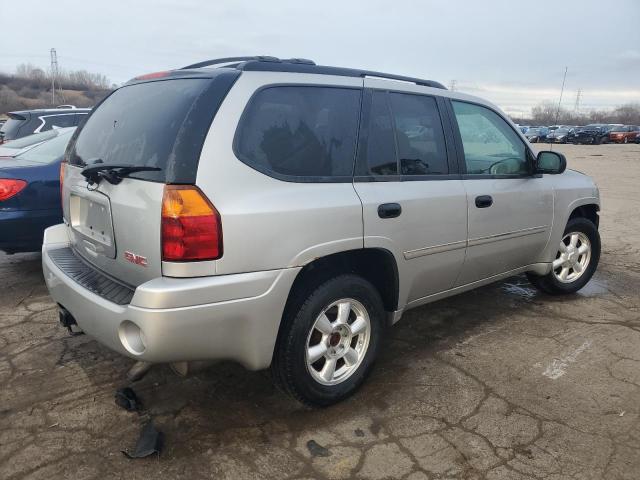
(26, 122)
(594, 134)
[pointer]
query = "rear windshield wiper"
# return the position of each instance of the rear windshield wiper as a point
(112, 173)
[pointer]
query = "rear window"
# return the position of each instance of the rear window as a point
(157, 124)
(301, 132)
(49, 151)
(31, 139)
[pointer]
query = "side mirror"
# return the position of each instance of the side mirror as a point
(550, 162)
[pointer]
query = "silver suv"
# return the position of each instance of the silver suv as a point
(282, 214)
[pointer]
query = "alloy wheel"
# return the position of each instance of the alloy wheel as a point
(573, 257)
(338, 341)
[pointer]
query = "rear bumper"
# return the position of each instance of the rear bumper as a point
(22, 230)
(231, 317)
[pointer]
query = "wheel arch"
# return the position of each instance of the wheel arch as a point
(588, 211)
(377, 265)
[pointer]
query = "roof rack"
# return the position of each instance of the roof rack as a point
(303, 65)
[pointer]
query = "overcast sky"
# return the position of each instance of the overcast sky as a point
(511, 52)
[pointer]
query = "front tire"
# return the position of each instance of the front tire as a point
(327, 347)
(576, 260)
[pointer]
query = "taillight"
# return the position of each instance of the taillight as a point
(191, 226)
(10, 187)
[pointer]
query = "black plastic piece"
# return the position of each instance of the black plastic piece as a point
(90, 278)
(484, 201)
(151, 441)
(389, 210)
(126, 398)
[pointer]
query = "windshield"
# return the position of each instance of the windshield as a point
(619, 129)
(49, 151)
(533, 131)
(561, 131)
(31, 139)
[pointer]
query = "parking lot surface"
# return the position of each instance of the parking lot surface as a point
(499, 383)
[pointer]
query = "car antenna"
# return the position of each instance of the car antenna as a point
(560, 100)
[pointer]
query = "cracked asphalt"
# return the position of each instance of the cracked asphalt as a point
(499, 383)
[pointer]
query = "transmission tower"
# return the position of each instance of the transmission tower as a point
(54, 74)
(452, 85)
(577, 105)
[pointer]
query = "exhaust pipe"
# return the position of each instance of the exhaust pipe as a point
(67, 321)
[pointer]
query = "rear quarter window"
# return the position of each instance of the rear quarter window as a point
(300, 133)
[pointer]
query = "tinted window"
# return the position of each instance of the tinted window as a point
(381, 149)
(419, 135)
(146, 124)
(59, 121)
(300, 131)
(491, 147)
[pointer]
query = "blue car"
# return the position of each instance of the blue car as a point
(30, 195)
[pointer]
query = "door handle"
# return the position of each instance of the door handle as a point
(484, 201)
(389, 210)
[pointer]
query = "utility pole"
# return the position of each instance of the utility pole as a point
(578, 95)
(561, 92)
(452, 85)
(54, 74)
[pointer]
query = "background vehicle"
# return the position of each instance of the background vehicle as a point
(559, 135)
(162, 256)
(596, 134)
(624, 134)
(30, 194)
(27, 122)
(21, 145)
(536, 134)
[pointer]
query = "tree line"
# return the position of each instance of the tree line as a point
(30, 87)
(547, 113)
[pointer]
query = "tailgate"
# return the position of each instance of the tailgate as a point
(115, 227)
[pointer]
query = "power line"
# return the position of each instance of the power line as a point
(54, 74)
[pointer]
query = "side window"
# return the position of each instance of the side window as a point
(381, 148)
(60, 121)
(491, 147)
(405, 136)
(419, 135)
(300, 131)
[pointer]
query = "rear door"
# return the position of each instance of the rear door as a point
(510, 210)
(413, 200)
(160, 124)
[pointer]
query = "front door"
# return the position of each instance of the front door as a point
(510, 210)
(414, 203)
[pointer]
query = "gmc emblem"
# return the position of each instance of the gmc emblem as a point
(135, 259)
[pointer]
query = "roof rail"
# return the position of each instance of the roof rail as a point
(216, 61)
(303, 65)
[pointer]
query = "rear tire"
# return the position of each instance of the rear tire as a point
(326, 348)
(576, 260)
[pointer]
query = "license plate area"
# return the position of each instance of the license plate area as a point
(91, 222)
